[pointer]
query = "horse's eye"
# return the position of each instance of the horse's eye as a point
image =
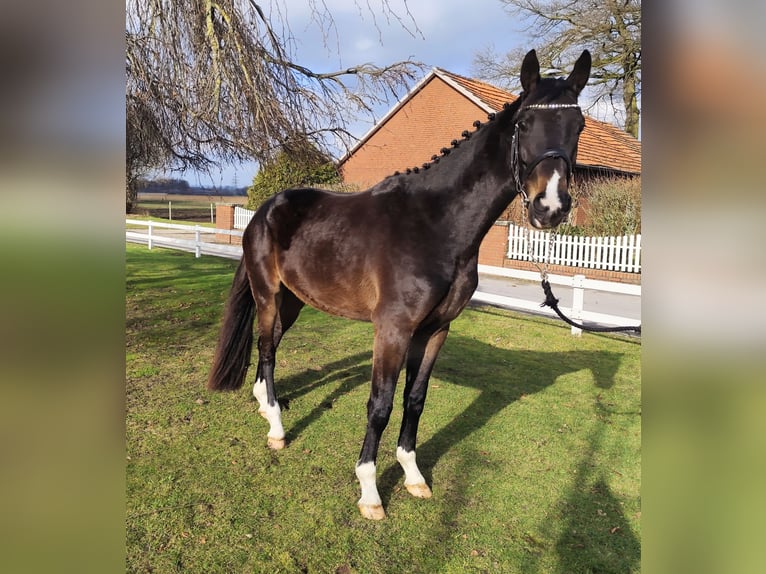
(523, 126)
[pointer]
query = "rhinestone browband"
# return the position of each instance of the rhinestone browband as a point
(551, 106)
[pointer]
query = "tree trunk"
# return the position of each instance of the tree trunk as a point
(632, 112)
(131, 193)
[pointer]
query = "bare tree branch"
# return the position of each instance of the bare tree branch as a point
(215, 82)
(560, 30)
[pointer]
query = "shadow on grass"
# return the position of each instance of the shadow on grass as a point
(593, 524)
(594, 527)
(596, 535)
(353, 371)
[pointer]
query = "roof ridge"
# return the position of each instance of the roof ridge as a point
(609, 125)
(470, 79)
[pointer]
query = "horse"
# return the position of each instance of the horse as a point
(402, 254)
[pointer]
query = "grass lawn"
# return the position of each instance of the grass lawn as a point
(530, 440)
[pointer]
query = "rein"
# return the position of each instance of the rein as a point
(550, 300)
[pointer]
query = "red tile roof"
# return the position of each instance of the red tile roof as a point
(490, 96)
(601, 144)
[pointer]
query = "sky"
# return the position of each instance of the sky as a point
(440, 33)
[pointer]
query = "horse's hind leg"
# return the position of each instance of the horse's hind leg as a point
(276, 313)
(421, 356)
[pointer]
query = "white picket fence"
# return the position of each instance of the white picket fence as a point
(242, 217)
(610, 253)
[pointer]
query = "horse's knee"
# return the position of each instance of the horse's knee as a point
(378, 414)
(414, 406)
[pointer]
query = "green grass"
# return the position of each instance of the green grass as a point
(530, 440)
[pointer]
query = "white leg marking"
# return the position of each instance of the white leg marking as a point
(550, 198)
(259, 392)
(271, 413)
(366, 475)
(370, 504)
(411, 471)
(413, 479)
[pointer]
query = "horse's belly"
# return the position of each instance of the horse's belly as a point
(345, 298)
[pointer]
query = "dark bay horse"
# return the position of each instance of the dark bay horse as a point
(402, 254)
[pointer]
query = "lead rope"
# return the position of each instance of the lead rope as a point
(550, 300)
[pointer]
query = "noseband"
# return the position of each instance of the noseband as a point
(520, 177)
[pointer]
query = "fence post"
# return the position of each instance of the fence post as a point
(224, 219)
(196, 241)
(149, 242)
(578, 297)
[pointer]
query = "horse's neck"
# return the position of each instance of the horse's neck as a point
(482, 187)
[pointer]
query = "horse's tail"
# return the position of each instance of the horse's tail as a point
(232, 356)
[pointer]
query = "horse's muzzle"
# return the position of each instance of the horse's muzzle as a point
(542, 216)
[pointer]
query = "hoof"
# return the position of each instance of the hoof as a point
(420, 490)
(375, 512)
(276, 443)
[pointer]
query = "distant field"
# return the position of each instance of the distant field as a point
(184, 207)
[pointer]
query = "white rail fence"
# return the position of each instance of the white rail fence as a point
(578, 284)
(190, 238)
(611, 253)
(181, 237)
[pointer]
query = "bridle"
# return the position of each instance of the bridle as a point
(550, 300)
(519, 177)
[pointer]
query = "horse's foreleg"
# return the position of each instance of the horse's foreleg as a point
(388, 355)
(420, 361)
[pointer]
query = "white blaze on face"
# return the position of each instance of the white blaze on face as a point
(550, 198)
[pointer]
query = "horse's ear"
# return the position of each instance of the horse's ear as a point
(579, 76)
(530, 71)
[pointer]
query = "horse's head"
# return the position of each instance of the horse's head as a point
(547, 126)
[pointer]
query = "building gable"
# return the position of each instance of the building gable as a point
(416, 130)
